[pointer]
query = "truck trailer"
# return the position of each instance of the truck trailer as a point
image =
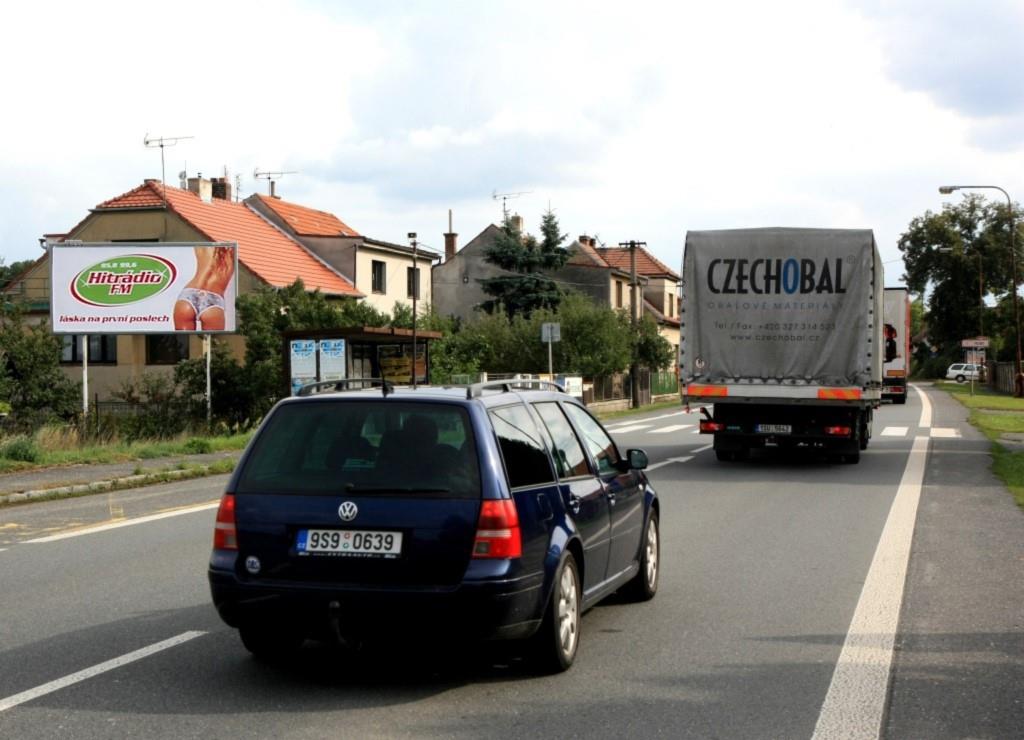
(782, 338)
(896, 339)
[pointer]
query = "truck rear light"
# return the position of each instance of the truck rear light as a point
(710, 427)
(839, 431)
(497, 531)
(225, 535)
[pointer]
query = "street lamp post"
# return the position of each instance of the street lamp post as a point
(415, 294)
(1018, 383)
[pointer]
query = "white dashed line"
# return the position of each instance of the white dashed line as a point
(60, 683)
(945, 432)
(671, 428)
(669, 462)
(705, 447)
(895, 431)
(631, 428)
(857, 695)
(122, 523)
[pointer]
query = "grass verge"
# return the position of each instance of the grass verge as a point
(92, 454)
(995, 414)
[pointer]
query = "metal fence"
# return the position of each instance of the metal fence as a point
(664, 383)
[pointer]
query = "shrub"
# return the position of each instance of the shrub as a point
(198, 445)
(21, 448)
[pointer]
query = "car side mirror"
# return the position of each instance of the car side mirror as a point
(637, 459)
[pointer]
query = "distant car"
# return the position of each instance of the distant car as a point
(963, 371)
(487, 511)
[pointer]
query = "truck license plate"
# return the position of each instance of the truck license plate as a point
(774, 429)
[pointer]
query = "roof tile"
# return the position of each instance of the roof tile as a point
(307, 221)
(646, 263)
(264, 249)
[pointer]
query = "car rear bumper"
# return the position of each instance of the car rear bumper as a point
(494, 609)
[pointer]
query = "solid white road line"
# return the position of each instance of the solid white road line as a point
(856, 697)
(705, 447)
(926, 408)
(670, 428)
(60, 683)
(669, 461)
(122, 523)
(895, 431)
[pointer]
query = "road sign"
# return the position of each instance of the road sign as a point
(976, 343)
(551, 332)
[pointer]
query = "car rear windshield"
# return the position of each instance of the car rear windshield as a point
(364, 447)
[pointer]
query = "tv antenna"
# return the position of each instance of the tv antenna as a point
(162, 142)
(273, 177)
(505, 198)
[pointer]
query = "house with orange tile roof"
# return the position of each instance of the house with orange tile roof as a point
(152, 212)
(385, 273)
(602, 273)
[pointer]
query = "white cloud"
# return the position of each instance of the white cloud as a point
(636, 121)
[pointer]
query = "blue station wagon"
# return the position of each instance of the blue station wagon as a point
(495, 511)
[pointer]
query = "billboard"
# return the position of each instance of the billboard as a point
(143, 288)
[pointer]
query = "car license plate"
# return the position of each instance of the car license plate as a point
(349, 543)
(774, 428)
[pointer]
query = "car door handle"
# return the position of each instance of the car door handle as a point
(611, 497)
(574, 504)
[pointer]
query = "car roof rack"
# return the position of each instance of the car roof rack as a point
(343, 384)
(476, 389)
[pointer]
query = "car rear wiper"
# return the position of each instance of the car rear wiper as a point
(353, 488)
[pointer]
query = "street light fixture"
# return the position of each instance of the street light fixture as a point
(1018, 383)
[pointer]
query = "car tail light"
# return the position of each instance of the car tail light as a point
(707, 427)
(225, 535)
(838, 431)
(497, 532)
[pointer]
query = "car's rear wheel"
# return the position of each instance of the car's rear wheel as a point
(271, 642)
(961, 378)
(557, 640)
(645, 585)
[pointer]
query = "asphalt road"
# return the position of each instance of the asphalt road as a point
(764, 571)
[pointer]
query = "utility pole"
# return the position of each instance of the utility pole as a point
(415, 294)
(634, 305)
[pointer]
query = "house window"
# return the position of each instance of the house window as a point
(618, 294)
(412, 278)
(379, 277)
(166, 349)
(669, 300)
(102, 348)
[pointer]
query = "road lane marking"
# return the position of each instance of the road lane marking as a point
(669, 462)
(895, 431)
(122, 523)
(670, 428)
(631, 428)
(856, 698)
(945, 432)
(926, 408)
(705, 447)
(611, 427)
(61, 683)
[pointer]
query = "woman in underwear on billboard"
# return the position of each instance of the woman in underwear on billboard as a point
(200, 304)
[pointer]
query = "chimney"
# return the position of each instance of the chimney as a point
(449, 239)
(201, 187)
(518, 223)
(221, 188)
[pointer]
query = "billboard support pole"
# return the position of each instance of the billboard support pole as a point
(208, 342)
(85, 376)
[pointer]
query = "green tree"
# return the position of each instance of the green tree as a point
(525, 287)
(8, 272)
(31, 379)
(650, 349)
(952, 252)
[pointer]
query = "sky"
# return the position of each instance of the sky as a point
(637, 120)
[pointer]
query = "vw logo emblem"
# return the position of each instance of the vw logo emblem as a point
(348, 511)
